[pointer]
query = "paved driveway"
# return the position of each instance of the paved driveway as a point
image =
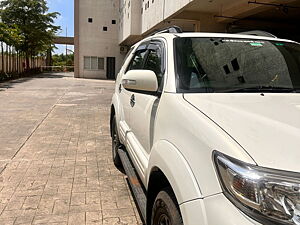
(55, 154)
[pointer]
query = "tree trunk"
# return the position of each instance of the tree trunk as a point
(10, 59)
(17, 62)
(2, 57)
(6, 57)
(27, 61)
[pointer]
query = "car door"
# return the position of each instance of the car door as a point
(136, 62)
(144, 107)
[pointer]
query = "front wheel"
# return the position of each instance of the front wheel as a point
(115, 144)
(165, 209)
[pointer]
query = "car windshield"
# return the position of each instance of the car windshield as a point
(223, 65)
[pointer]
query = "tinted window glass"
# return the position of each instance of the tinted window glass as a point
(137, 63)
(229, 65)
(154, 63)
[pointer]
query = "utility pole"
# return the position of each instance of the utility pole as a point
(66, 46)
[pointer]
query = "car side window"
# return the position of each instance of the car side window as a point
(154, 61)
(137, 62)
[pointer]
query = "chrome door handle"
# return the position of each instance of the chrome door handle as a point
(132, 100)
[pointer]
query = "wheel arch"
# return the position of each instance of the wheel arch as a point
(157, 182)
(168, 168)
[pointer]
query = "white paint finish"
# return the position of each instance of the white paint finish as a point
(214, 210)
(124, 109)
(173, 164)
(193, 213)
(196, 137)
(230, 214)
(140, 80)
(226, 35)
(170, 85)
(143, 117)
(137, 155)
(266, 126)
(188, 128)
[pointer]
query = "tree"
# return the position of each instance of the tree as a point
(63, 60)
(34, 23)
(11, 37)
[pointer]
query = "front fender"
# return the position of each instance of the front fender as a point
(171, 162)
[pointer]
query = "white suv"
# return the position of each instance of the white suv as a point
(207, 127)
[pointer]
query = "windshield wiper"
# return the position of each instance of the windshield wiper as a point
(270, 89)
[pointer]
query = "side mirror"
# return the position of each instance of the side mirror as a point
(140, 80)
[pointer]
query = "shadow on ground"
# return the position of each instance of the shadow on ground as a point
(10, 84)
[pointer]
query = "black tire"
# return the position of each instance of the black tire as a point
(165, 209)
(115, 144)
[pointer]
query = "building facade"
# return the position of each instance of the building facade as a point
(97, 53)
(128, 21)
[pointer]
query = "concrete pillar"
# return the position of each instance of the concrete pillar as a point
(76, 38)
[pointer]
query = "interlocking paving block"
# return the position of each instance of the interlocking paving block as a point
(55, 156)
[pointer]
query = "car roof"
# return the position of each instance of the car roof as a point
(171, 36)
(219, 35)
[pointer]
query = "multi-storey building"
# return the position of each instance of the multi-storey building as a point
(97, 53)
(104, 29)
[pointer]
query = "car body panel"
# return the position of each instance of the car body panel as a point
(197, 139)
(267, 126)
(214, 210)
(177, 170)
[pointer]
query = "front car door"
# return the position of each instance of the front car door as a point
(143, 111)
(136, 62)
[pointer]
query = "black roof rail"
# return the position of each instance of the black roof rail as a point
(171, 30)
(258, 33)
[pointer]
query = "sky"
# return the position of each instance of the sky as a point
(65, 20)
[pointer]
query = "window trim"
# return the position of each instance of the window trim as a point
(162, 45)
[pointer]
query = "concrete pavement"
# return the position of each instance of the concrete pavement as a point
(55, 154)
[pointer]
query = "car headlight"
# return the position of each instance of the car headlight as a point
(266, 195)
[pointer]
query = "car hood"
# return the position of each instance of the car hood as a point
(267, 126)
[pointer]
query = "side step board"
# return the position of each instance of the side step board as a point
(135, 184)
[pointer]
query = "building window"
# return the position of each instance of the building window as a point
(90, 20)
(114, 22)
(93, 63)
(104, 28)
(101, 63)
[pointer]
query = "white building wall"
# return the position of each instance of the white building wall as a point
(144, 15)
(153, 13)
(130, 19)
(90, 38)
(157, 14)
(156, 11)
(172, 6)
